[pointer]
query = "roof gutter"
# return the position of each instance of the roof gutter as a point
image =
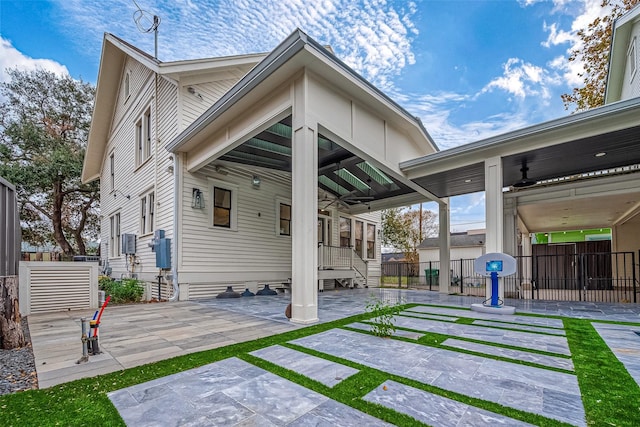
(493, 142)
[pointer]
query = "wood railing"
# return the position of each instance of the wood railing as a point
(334, 257)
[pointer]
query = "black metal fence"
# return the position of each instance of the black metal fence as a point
(426, 275)
(595, 277)
(9, 230)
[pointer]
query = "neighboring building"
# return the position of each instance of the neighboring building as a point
(207, 151)
(464, 245)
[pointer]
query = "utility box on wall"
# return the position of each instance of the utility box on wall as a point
(129, 244)
(163, 253)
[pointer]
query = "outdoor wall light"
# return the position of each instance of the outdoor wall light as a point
(256, 181)
(197, 200)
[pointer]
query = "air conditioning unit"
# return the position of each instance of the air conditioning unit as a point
(129, 244)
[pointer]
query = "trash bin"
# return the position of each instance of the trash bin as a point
(432, 276)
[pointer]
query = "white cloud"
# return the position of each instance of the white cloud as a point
(556, 36)
(10, 57)
(523, 79)
(436, 112)
(583, 12)
(372, 36)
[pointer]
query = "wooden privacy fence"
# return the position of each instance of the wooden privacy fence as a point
(57, 286)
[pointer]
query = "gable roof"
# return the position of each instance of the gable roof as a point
(457, 240)
(112, 59)
(620, 38)
(311, 54)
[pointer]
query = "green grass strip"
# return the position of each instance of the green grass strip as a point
(359, 390)
(610, 395)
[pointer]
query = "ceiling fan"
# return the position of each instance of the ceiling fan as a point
(345, 200)
(524, 181)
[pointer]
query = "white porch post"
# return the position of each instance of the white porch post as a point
(445, 246)
(304, 183)
(526, 260)
(494, 212)
(510, 243)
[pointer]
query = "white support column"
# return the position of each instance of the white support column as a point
(304, 222)
(510, 242)
(445, 246)
(494, 212)
(526, 259)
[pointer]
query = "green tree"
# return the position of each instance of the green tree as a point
(44, 124)
(403, 229)
(593, 52)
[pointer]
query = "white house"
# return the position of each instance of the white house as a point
(240, 161)
(261, 168)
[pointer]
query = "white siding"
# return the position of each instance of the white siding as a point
(135, 180)
(631, 86)
(206, 94)
(254, 251)
(212, 258)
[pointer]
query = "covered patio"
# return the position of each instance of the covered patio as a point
(304, 117)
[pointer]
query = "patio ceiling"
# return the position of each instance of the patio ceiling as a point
(580, 156)
(341, 174)
(582, 148)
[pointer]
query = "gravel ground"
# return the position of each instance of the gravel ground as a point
(17, 367)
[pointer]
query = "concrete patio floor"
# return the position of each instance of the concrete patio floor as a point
(133, 335)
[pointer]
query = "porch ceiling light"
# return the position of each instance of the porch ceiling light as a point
(600, 154)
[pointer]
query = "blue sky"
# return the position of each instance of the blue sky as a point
(469, 69)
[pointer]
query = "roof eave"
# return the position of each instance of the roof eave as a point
(602, 113)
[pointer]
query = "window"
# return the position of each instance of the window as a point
(632, 59)
(112, 171)
(127, 85)
(345, 232)
(371, 241)
(143, 137)
(359, 234)
(146, 213)
(225, 205)
(284, 219)
(114, 236)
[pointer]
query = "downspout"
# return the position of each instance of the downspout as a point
(174, 247)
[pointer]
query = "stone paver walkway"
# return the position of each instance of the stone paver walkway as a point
(234, 392)
(231, 393)
(550, 393)
(324, 371)
(436, 410)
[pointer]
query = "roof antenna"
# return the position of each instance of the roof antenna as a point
(145, 24)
